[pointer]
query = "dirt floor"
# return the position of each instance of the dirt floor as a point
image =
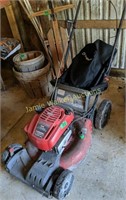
(101, 175)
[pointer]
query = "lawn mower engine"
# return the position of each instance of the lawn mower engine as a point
(50, 130)
(38, 165)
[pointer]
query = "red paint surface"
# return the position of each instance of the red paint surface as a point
(51, 119)
(79, 148)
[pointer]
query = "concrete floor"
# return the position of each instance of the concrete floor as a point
(102, 175)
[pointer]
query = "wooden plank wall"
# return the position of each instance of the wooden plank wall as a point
(98, 10)
(91, 30)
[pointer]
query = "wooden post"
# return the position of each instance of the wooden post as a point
(13, 24)
(20, 24)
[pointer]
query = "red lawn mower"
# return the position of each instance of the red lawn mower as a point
(59, 135)
(58, 139)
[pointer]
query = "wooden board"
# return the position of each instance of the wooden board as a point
(48, 11)
(57, 39)
(21, 23)
(65, 39)
(13, 24)
(100, 24)
(53, 50)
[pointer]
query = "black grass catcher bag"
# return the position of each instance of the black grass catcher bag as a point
(87, 65)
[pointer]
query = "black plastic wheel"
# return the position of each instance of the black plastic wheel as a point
(103, 114)
(15, 148)
(63, 184)
(10, 151)
(5, 156)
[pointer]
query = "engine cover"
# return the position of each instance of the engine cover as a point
(45, 129)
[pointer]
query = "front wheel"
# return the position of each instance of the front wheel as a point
(63, 184)
(10, 151)
(103, 114)
(5, 156)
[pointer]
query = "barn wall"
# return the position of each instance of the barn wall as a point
(90, 10)
(102, 10)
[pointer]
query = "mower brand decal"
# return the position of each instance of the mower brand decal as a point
(41, 130)
(63, 124)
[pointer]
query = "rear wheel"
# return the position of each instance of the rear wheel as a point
(63, 184)
(103, 114)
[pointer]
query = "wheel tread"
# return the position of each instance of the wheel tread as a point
(105, 104)
(59, 183)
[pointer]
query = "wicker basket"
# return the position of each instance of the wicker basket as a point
(36, 83)
(29, 61)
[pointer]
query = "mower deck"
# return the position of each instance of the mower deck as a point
(37, 174)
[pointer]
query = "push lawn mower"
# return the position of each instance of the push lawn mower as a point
(59, 135)
(58, 139)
